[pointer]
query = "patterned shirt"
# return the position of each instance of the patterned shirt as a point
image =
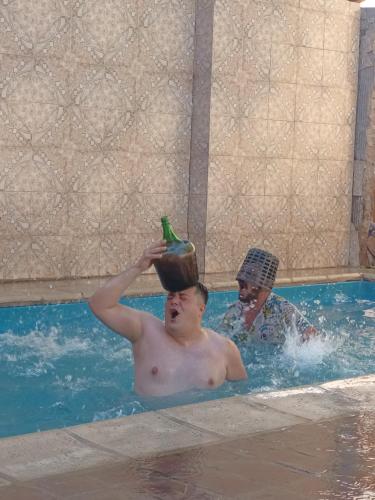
(276, 317)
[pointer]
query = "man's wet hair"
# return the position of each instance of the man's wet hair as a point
(202, 291)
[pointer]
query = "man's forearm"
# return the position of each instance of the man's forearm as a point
(109, 294)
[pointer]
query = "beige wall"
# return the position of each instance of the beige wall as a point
(282, 129)
(95, 113)
(95, 131)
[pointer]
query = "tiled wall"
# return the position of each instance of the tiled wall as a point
(95, 119)
(282, 126)
(98, 132)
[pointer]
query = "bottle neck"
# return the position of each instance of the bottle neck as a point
(168, 234)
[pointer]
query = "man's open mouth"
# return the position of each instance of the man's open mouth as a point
(174, 313)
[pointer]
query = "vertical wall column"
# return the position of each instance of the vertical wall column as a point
(200, 127)
(363, 205)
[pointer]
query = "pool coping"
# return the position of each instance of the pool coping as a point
(46, 453)
(72, 290)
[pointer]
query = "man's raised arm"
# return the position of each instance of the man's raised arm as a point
(105, 301)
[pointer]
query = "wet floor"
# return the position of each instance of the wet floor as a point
(334, 459)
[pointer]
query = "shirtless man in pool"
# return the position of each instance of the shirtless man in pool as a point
(177, 354)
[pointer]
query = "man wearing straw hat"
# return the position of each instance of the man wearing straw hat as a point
(259, 313)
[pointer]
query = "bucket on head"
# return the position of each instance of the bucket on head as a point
(259, 268)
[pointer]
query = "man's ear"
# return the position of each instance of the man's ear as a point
(202, 308)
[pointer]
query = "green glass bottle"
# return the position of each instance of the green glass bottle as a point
(178, 268)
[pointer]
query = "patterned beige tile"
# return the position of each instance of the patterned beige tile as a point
(312, 4)
(92, 86)
(278, 244)
(352, 69)
(335, 69)
(307, 141)
(327, 213)
(337, 142)
(160, 174)
(337, 6)
(25, 79)
(351, 106)
(225, 95)
(258, 18)
(311, 29)
(38, 28)
(32, 214)
(32, 258)
(114, 253)
(285, 23)
(223, 175)
(165, 93)
(278, 177)
(284, 63)
(333, 214)
(164, 49)
(310, 66)
(227, 37)
(81, 256)
(148, 209)
(222, 213)
(116, 214)
(99, 172)
(342, 251)
(280, 139)
(251, 176)
(105, 33)
(83, 213)
(308, 103)
(102, 128)
(257, 59)
(282, 101)
(34, 94)
(353, 33)
(335, 106)
(301, 251)
(303, 213)
(250, 214)
(253, 138)
(219, 252)
(304, 177)
(224, 135)
(254, 97)
(277, 214)
(164, 133)
(325, 254)
(331, 177)
(26, 169)
(336, 32)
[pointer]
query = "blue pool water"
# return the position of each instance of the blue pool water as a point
(59, 366)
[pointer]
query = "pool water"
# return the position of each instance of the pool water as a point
(60, 366)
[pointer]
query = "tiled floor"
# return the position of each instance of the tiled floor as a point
(333, 459)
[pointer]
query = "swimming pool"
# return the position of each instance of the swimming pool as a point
(59, 366)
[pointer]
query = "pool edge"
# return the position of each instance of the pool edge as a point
(46, 453)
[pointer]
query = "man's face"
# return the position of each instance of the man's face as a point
(248, 292)
(183, 310)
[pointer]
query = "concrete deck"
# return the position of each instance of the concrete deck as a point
(313, 442)
(52, 291)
